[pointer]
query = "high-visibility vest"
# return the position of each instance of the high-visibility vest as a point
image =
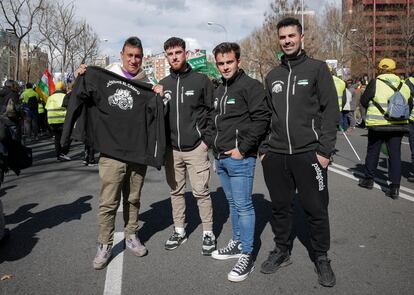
(40, 108)
(27, 93)
(340, 86)
(383, 92)
(55, 112)
(410, 83)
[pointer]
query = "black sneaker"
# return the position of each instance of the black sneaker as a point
(326, 276)
(367, 183)
(209, 244)
(174, 241)
(275, 260)
(393, 191)
(243, 267)
(232, 250)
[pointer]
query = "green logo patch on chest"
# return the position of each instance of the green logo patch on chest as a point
(231, 101)
(303, 82)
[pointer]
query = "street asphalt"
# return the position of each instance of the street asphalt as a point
(51, 211)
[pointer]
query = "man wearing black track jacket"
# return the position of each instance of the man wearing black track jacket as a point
(241, 119)
(188, 98)
(295, 154)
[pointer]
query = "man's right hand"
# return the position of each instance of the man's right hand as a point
(81, 70)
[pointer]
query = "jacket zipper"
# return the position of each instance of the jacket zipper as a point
(182, 94)
(178, 113)
(313, 128)
(287, 109)
(294, 85)
(215, 119)
(237, 135)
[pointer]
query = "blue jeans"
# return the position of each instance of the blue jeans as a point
(236, 177)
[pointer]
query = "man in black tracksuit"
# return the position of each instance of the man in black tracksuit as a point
(295, 154)
(188, 97)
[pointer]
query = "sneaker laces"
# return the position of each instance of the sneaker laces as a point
(175, 236)
(229, 246)
(208, 238)
(274, 255)
(242, 264)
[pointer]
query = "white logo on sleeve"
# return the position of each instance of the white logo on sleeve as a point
(121, 98)
(277, 86)
(167, 96)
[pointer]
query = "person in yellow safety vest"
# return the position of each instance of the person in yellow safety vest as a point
(382, 130)
(410, 83)
(340, 87)
(56, 117)
(42, 119)
(29, 99)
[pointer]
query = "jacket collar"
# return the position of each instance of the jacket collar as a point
(182, 73)
(294, 61)
(236, 77)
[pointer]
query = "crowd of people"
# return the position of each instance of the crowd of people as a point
(289, 124)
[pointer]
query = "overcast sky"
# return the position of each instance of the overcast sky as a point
(154, 21)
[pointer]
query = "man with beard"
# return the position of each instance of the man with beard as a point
(296, 152)
(189, 96)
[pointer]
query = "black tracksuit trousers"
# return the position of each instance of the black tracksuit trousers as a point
(284, 174)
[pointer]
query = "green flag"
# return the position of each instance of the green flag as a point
(198, 62)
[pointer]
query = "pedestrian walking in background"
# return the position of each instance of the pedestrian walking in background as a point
(56, 117)
(383, 127)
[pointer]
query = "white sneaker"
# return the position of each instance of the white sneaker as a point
(134, 245)
(102, 256)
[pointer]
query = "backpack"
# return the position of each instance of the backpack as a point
(398, 107)
(32, 103)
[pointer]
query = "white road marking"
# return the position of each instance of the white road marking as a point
(113, 281)
(349, 175)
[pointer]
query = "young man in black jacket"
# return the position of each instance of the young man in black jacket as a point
(241, 119)
(189, 101)
(295, 154)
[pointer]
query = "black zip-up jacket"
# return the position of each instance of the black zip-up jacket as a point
(241, 116)
(118, 117)
(189, 95)
(304, 103)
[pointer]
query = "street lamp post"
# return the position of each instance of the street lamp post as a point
(220, 25)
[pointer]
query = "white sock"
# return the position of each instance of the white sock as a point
(180, 231)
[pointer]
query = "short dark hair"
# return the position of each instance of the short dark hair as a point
(227, 47)
(289, 21)
(132, 41)
(174, 42)
(29, 85)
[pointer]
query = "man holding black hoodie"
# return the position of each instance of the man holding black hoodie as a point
(189, 101)
(295, 155)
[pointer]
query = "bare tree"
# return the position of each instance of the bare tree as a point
(59, 29)
(84, 48)
(20, 15)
